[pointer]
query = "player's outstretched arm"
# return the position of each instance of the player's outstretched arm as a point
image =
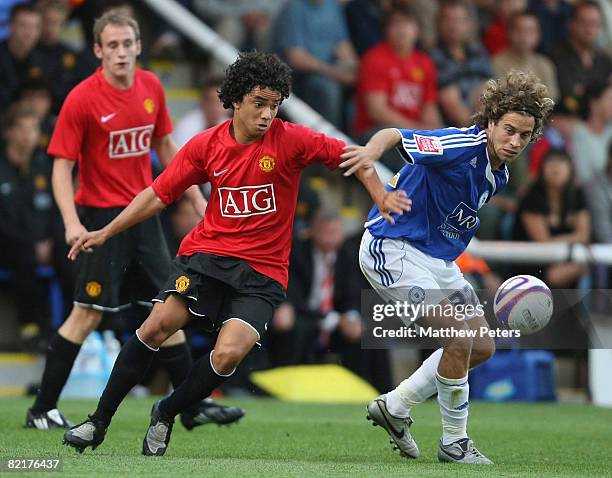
(143, 206)
(387, 202)
(359, 157)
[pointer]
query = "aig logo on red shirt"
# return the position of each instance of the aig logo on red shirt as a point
(247, 200)
(130, 142)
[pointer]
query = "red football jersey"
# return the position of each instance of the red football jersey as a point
(409, 83)
(108, 131)
(254, 191)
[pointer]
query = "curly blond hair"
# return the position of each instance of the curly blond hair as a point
(519, 92)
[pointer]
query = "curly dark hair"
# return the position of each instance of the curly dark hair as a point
(253, 69)
(519, 92)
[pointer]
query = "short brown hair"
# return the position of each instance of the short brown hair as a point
(20, 8)
(401, 8)
(457, 3)
(584, 4)
(59, 5)
(514, 19)
(113, 17)
(17, 111)
(519, 92)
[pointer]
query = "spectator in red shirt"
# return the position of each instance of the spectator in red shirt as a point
(397, 83)
(496, 36)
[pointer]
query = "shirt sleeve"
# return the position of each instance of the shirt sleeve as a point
(315, 147)
(186, 169)
(69, 131)
(441, 147)
(163, 123)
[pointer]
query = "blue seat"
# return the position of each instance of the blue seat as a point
(515, 375)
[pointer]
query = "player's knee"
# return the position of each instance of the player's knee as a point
(92, 320)
(226, 359)
(482, 352)
(155, 330)
(80, 323)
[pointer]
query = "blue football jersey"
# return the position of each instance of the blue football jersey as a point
(449, 178)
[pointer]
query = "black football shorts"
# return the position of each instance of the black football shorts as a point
(220, 288)
(129, 268)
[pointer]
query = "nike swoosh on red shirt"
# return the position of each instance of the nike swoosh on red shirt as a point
(106, 118)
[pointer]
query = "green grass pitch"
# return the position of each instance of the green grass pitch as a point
(298, 440)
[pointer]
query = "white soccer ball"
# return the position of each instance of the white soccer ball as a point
(523, 303)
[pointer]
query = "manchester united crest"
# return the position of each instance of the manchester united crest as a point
(267, 163)
(417, 74)
(93, 288)
(181, 284)
(149, 105)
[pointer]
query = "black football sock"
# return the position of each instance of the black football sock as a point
(61, 354)
(177, 361)
(131, 365)
(201, 381)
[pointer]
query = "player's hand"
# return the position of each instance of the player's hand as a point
(73, 232)
(394, 202)
(86, 243)
(359, 157)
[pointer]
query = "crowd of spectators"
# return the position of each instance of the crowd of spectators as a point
(363, 65)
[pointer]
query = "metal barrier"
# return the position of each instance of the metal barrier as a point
(541, 253)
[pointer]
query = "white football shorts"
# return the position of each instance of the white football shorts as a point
(400, 272)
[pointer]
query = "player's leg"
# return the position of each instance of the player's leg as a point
(483, 347)
(245, 317)
(96, 289)
(133, 361)
(452, 375)
(235, 340)
(421, 385)
(61, 354)
(174, 354)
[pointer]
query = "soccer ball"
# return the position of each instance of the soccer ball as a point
(523, 303)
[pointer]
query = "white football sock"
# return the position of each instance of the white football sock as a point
(453, 397)
(415, 389)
